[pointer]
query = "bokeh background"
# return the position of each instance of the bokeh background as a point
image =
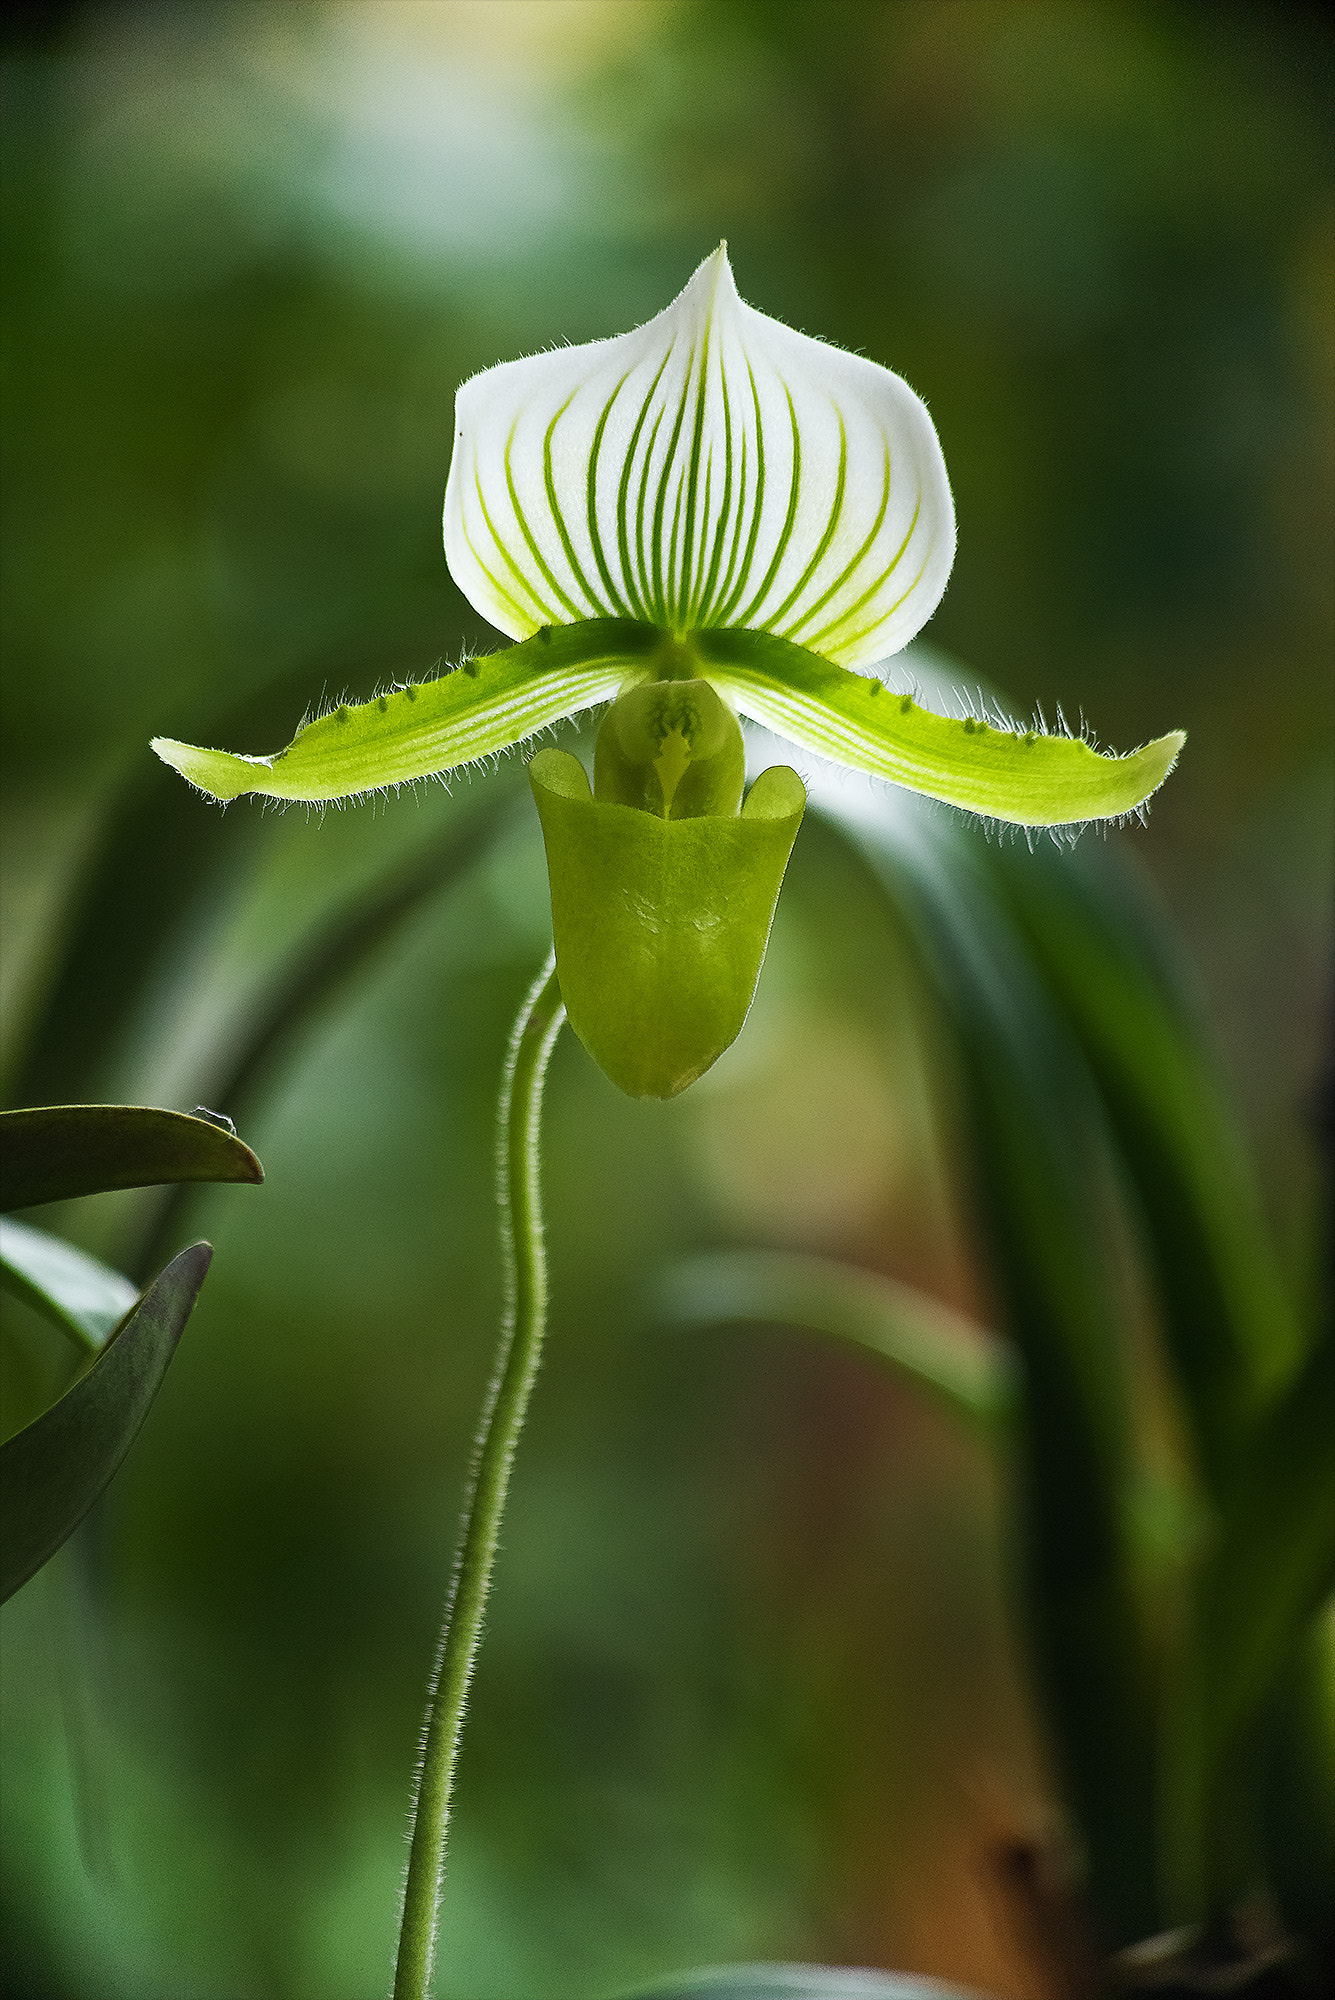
(752, 1685)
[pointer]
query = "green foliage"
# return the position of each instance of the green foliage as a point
(55, 1469)
(1087, 1080)
(58, 1151)
(1105, 949)
(79, 1293)
(1039, 1169)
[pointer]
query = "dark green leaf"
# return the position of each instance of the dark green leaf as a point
(1298, 1814)
(1230, 1331)
(1044, 1186)
(84, 1297)
(1271, 1562)
(798, 1982)
(52, 1472)
(60, 1150)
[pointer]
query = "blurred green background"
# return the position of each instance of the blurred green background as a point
(751, 1686)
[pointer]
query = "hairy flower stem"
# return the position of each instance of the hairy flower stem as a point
(524, 1319)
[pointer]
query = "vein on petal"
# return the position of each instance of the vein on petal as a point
(836, 510)
(527, 532)
(554, 507)
(855, 562)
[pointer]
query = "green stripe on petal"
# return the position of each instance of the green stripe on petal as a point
(752, 615)
(639, 594)
(595, 604)
(619, 607)
(521, 517)
(1025, 779)
(664, 591)
(482, 707)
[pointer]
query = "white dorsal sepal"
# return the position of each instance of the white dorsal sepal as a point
(711, 469)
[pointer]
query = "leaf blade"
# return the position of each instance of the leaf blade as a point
(54, 1152)
(1039, 1171)
(82, 1295)
(1269, 1566)
(53, 1471)
(1106, 952)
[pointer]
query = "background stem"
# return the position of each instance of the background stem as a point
(523, 1321)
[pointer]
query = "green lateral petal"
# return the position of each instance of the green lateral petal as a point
(485, 705)
(1025, 779)
(83, 1296)
(711, 468)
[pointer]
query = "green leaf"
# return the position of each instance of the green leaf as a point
(1231, 1335)
(1230, 1330)
(798, 1982)
(968, 1370)
(1026, 778)
(660, 924)
(484, 706)
(1043, 1181)
(84, 1297)
(52, 1472)
(1270, 1563)
(56, 1151)
(1299, 1789)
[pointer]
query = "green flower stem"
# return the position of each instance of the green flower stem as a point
(522, 1325)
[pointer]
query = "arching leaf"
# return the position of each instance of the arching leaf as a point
(52, 1471)
(55, 1151)
(84, 1296)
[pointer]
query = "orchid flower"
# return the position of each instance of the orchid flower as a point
(711, 516)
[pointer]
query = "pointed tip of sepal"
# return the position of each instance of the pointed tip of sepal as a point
(1155, 762)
